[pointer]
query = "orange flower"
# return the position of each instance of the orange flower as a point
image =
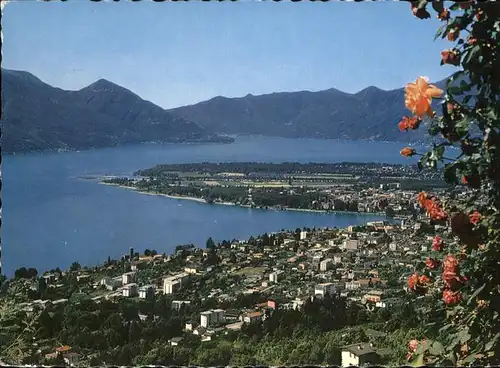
(444, 15)
(450, 57)
(413, 281)
(407, 152)
(419, 95)
(432, 263)
(422, 198)
(437, 244)
(450, 297)
(409, 123)
(453, 34)
(475, 217)
(424, 280)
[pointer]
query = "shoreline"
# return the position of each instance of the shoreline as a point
(200, 200)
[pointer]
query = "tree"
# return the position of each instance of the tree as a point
(466, 257)
(210, 244)
(147, 252)
(75, 266)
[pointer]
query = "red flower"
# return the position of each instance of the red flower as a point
(471, 40)
(413, 345)
(450, 57)
(479, 14)
(432, 263)
(465, 4)
(437, 244)
(464, 180)
(434, 210)
(451, 297)
(408, 123)
(450, 263)
(475, 217)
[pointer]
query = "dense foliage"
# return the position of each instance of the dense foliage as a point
(462, 272)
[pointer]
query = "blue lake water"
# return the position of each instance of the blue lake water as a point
(51, 218)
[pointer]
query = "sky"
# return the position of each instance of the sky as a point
(181, 53)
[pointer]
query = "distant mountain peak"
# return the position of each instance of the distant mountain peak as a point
(370, 89)
(104, 84)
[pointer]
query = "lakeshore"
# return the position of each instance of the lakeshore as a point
(201, 200)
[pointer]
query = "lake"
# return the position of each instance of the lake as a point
(51, 217)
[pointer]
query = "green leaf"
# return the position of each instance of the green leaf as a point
(466, 99)
(436, 349)
(470, 358)
(472, 52)
(454, 90)
(475, 294)
(492, 342)
(439, 31)
(450, 173)
(418, 361)
(438, 6)
(464, 335)
(464, 86)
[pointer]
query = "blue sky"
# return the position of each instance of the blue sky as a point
(181, 53)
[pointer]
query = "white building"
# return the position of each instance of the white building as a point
(350, 244)
(275, 276)
(111, 283)
(303, 235)
(211, 317)
(147, 292)
(325, 288)
(174, 283)
(326, 264)
(128, 278)
(130, 290)
(359, 354)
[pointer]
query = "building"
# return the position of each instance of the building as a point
(174, 283)
(374, 296)
(147, 292)
(211, 317)
(177, 304)
(252, 317)
(275, 276)
(323, 289)
(326, 264)
(128, 278)
(359, 355)
(350, 244)
(174, 341)
(130, 290)
(111, 283)
(303, 235)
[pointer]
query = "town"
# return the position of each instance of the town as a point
(227, 291)
(354, 187)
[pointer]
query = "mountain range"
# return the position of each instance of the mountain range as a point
(37, 116)
(370, 114)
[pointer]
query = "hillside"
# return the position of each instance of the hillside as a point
(37, 116)
(369, 114)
